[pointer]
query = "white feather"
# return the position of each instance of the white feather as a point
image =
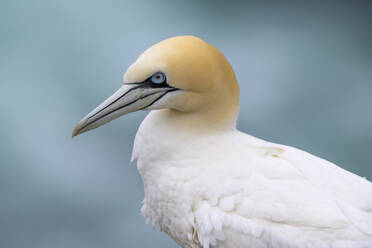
(232, 190)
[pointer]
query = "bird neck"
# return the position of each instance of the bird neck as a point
(218, 114)
(167, 135)
(169, 132)
(204, 121)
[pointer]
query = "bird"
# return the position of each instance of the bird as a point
(209, 185)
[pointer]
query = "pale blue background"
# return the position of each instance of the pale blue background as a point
(305, 72)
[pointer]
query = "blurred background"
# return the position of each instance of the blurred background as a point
(305, 70)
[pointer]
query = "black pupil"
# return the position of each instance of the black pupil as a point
(158, 78)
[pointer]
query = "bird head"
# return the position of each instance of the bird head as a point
(184, 74)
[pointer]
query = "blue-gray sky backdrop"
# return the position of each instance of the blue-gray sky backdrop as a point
(304, 68)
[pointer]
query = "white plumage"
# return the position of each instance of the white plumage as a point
(209, 185)
(229, 189)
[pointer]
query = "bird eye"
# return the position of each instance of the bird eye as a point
(158, 78)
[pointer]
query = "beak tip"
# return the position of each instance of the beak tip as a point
(75, 133)
(78, 128)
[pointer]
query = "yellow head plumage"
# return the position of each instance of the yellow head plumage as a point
(198, 81)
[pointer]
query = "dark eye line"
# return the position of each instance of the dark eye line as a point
(154, 85)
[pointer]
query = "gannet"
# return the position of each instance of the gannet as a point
(209, 185)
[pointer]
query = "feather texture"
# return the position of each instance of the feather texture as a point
(229, 189)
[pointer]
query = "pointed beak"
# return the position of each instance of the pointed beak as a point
(129, 98)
